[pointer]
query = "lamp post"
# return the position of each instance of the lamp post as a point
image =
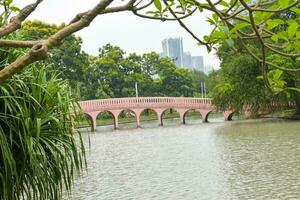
(201, 86)
(136, 90)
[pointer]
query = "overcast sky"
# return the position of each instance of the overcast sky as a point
(131, 33)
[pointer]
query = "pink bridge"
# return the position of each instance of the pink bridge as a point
(182, 105)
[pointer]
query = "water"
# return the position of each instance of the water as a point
(219, 160)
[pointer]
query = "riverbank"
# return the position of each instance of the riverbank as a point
(286, 114)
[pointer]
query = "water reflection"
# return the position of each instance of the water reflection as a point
(261, 160)
(258, 160)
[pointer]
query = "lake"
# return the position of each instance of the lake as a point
(253, 159)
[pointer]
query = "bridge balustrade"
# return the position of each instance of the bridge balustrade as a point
(91, 105)
(159, 104)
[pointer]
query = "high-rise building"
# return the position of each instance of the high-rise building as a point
(173, 48)
(187, 60)
(197, 63)
(207, 69)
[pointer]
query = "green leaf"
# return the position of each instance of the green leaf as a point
(273, 23)
(283, 3)
(151, 12)
(293, 29)
(293, 88)
(296, 10)
(230, 42)
(260, 77)
(211, 21)
(281, 35)
(14, 9)
(225, 4)
(168, 6)
(239, 26)
(206, 38)
(157, 4)
(8, 2)
(216, 18)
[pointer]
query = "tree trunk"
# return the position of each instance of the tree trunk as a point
(297, 101)
(296, 96)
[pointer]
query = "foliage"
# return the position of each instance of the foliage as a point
(237, 85)
(112, 74)
(68, 58)
(198, 77)
(39, 154)
(272, 25)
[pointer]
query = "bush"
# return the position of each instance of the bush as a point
(39, 155)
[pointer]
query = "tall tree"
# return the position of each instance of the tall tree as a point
(228, 19)
(68, 58)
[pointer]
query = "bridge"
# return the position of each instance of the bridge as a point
(92, 108)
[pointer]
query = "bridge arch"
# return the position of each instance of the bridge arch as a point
(205, 114)
(90, 117)
(177, 110)
(189, 110)
(139, 116)
(130, 111)
(158, 104)
(111, 114)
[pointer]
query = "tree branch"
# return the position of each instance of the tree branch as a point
(16, 21)
(39, 51)
(17, 43)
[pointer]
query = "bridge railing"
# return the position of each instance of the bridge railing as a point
(133, 101)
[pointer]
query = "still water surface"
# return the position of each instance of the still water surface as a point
(218, 160)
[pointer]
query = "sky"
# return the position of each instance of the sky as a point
(131, 33)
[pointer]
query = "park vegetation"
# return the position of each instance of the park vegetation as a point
(257, 42)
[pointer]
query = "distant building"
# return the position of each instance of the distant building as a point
(173, 48)
(208, 69)
(187, 60)
(197, 63)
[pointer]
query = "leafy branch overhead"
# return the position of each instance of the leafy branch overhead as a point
(271, 24)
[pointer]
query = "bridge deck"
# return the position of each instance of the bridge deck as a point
(137, 105)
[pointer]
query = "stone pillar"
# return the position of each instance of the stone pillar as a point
(115, 114)
(137, 113)
(116, 123)
(181, 113)
(94, 124)
(204, 114)
(93, 118)
(159, 113)
(228, 115)
(138, 123)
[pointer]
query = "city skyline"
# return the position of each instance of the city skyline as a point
(131, 33)
(173, 49)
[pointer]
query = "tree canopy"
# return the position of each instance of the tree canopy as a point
(113, 74)
(262, 20)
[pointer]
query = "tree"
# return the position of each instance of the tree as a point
(112, 74)
(174, 81)
(198, 78)
(68, 58)
(261, 19)
(239, 85)
(235, 85)
(229, 17)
